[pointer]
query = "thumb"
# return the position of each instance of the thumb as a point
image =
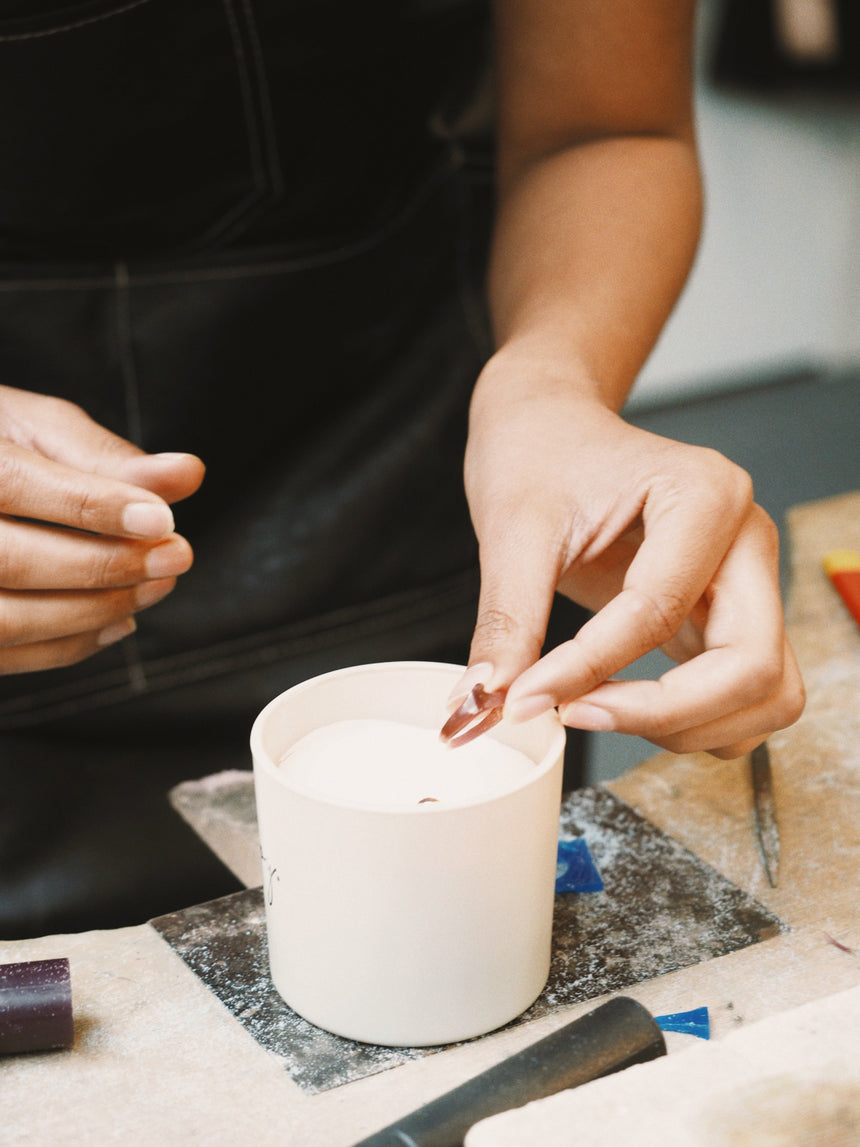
(171, 476)
(67, 434)
(518, 581)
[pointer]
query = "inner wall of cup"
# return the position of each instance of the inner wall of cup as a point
(412, 692)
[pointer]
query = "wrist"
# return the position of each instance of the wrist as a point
(533, 367)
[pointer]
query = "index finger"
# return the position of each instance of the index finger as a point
(683, 547)
(35, 487)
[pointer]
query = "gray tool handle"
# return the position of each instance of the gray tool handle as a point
(614, 1036)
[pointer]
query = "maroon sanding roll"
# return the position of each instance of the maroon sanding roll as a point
(35, 1006)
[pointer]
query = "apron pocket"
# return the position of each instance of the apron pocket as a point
(139, 127)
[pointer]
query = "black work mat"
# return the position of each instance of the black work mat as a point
(661, 909)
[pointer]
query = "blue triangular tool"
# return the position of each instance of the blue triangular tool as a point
(695, 1023)
(575, 870)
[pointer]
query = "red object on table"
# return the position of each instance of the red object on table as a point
(843, 569)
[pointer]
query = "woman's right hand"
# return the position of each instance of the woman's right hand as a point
(86, 531)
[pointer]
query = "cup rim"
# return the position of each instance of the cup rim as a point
(263, 761)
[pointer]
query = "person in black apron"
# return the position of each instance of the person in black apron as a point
(230, 230)
(255, 233)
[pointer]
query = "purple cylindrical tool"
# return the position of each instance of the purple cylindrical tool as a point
(35, 1006)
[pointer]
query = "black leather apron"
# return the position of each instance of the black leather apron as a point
(234, 228)
(238, 228)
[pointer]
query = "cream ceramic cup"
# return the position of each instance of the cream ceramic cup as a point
(414, 926)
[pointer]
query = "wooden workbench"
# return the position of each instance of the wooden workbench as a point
(159, 1059)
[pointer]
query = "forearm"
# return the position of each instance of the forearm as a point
(598, 220)
(593, 244)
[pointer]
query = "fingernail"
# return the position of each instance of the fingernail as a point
(167, 560)
(150, 592)
(147, 520)
(524, 708)
(478, 674)
(116, 632)
(581, 715)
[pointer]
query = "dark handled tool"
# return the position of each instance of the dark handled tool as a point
(610, 1038)
(767, 829)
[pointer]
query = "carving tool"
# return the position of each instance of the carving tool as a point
(479, 712)
(616, 1035)
(767, 828)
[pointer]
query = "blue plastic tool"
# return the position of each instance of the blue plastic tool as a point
(695, 1023)
(576, 871)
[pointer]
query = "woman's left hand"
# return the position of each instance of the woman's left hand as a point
(662, 540)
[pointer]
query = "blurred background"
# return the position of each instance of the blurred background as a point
(761, 359)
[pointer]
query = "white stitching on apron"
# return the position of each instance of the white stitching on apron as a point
(128, 370)
(270, 139)
(74, 24)
(280, 645)
(259, 172)
(267, 266)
